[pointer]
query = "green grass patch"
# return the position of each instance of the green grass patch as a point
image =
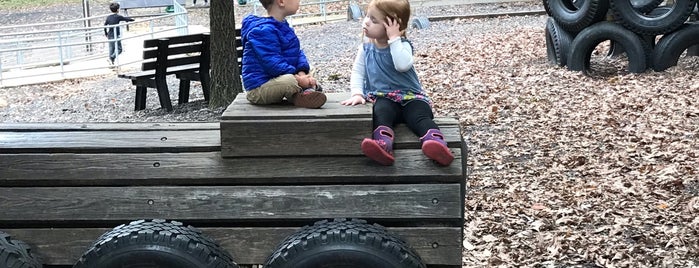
(20, 4)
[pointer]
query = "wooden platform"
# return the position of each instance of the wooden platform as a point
(63, 185)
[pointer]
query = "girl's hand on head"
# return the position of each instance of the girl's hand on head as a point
(392, 28)
(354, 100)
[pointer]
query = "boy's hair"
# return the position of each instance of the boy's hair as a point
(267, 3)
(114, 7)
(398, 10)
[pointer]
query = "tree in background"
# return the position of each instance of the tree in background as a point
(225, 76)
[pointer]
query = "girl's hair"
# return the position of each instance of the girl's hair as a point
(398, 10)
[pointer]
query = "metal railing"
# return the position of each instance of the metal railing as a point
(74, 47)
(61, 46)
(320, 10)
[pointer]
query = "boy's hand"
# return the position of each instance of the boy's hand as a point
(354, 100)
(392, 28)
(305, 81)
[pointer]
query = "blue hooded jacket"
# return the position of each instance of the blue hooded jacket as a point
(270, 49)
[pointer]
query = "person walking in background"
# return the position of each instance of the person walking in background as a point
(113, 34)
(383, 73)
(274, 66)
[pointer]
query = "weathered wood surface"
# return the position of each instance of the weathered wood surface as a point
(63, 185)
(231, 203)
(109, 142)
(248, 245)
(166, 137)
(59, 127)
(242, 109)
(209, 168)
(285, 130)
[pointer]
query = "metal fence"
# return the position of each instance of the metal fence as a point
(58, 48)
(313, 11)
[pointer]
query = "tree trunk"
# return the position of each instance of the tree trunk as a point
(225, 77)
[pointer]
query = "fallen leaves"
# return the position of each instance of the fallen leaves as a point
(567, 169)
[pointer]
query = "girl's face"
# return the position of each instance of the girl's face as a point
(373, 24)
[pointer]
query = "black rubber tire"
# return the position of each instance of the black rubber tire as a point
(617, 50)
(557, 42)
(645, 6)
(646, 24)
(577, 15)
(585, 42)
(693, 51)
(343, 243)
(155, 244)
(546, 7)
(671, 46)
(16, 254)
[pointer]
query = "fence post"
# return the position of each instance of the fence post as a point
(87, 24)
(60, 54)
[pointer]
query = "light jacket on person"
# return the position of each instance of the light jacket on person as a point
(270, 49)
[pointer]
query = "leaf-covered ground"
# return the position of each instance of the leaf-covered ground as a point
(567, 169)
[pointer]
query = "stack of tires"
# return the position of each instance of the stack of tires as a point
(576, 27)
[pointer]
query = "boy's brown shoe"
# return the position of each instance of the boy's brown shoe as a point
(309, 99)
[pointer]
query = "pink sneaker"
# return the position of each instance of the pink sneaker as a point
(435, 147)
(309, 99)
(380, 147)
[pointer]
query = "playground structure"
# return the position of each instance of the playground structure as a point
(110, 194)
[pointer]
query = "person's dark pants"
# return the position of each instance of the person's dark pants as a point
(416, 114)
(114, 49)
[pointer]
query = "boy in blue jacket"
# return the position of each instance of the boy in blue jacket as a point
(274, 66)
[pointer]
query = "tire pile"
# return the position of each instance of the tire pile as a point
(576, 27)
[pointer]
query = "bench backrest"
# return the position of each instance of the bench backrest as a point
(160, 54)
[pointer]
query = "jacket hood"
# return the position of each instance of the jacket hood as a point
(251, 22)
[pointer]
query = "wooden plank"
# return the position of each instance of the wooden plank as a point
(106, 142)
(293, 137)
(36, 127)
(231, 203)
(247, 245)
(198, 137)
(242, 109)
(240, 138)
(209, 168)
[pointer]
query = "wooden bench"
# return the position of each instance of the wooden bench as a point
(187, 56)
(63, 185)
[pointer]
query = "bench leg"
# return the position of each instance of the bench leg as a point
(140, 98)
(205, 79)
(163, 94)
(184, 91)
